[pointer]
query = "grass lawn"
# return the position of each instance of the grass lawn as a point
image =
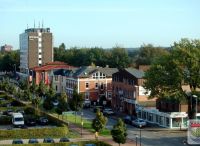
(87, 124)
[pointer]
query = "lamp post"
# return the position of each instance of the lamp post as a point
(196, 105)
(81, 123)
(140, 136)
(136, 137)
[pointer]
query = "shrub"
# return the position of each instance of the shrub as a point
(35, 132)
(5, 120)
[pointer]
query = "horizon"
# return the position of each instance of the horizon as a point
(102, 23)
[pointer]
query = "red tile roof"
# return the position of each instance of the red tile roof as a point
(51, 66)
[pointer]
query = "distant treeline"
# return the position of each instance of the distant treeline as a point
(118, 57)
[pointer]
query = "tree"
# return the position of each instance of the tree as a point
(76, 102)
(42, 89)
(99, 122)
(169, 74)
(119, 58)
(63, 105)
(47, 104)
(148, 53)
(119, 132)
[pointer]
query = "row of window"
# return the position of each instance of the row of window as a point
(123, 80)
(124, 92)
(98, 75)
(97, 85)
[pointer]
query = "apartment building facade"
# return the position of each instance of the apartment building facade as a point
(128, 91)
(36, 48)
(93, 82)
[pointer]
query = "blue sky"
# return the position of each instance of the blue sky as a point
(102, 23)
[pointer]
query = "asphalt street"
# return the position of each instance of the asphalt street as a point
(149, 136)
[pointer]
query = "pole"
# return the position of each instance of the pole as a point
(81, 123)
(140, 136)
(196, 105)
(136, 140)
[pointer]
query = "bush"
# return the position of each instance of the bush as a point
(98, 143)
(35, 132)
(5, 120)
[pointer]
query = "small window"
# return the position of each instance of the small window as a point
(86, 85)
(56, 87)
(96, 86)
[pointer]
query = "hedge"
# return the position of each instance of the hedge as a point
(5, 120)
(35, 132)
(98, 143)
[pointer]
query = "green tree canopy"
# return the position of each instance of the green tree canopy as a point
(76, 102)
(168, 75)
(148, 54)
(119, 132)
(99, 122)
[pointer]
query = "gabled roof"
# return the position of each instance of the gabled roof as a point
(52, 66)
(89, 70)
(135, 72)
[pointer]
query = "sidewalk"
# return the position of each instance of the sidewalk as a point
(87, 135)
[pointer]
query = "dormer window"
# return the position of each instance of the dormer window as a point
(98, 75)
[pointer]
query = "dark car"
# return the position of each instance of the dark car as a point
(8, 112)
(20, 111)
(33, 140)
(129, 119)
(43, 121)
(108, 111)
(17, 141)
(48, 140)
(31, 122)
(90, 144)
(64, 139)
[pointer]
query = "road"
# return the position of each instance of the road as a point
(149, 136)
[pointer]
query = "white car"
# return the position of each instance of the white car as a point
(139, 123)
(108, 111)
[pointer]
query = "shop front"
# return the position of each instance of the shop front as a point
(173, 120)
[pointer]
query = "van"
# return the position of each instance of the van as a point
(17, 119)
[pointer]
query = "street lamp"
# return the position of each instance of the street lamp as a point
(81, 124)
(140, 136)
(136, 137)
(196, 104)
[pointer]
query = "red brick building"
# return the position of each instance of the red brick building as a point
(128, 90)
(45, 72)
(92, 82)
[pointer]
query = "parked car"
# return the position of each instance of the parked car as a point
(48, 140)
(8, 112)
(33, 140)
(128, 119)
(139, 123)
(108, 111)
(31, 122)
(17, 141)
(98, 107)
(43, 121)
(64, 139)
(20, 111)
(90, 144)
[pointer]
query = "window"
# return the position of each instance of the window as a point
(98, 75)
(86, 85)
(96, 86)
(56, 87)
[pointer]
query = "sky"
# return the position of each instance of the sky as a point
(102, 23)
